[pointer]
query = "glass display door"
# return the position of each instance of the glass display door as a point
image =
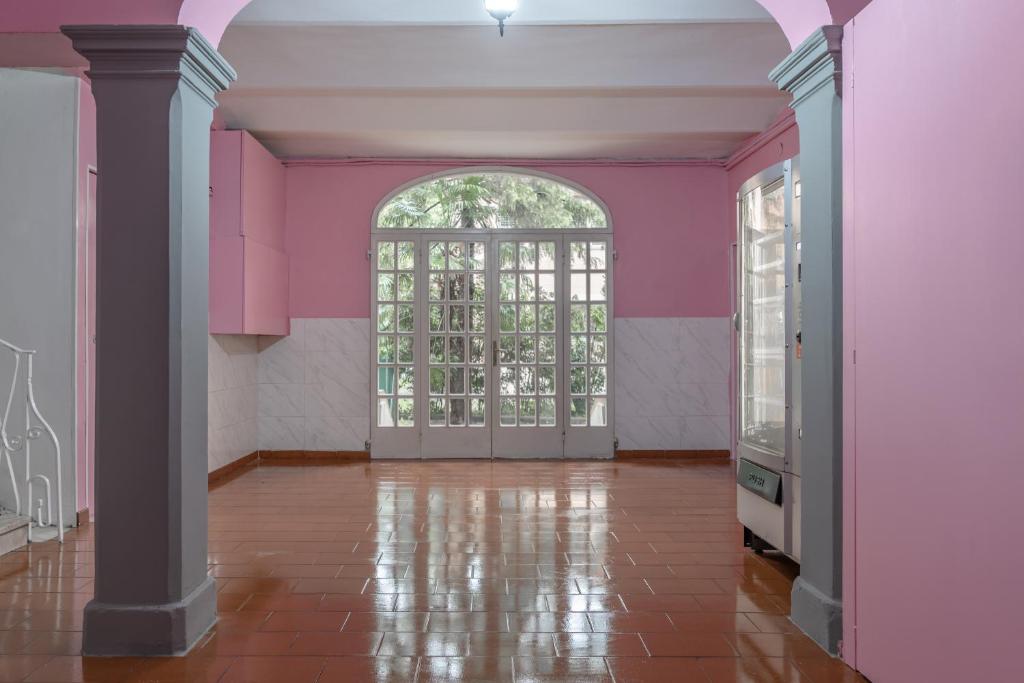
(762, 370)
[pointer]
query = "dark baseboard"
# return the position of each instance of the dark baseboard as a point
(229, 471)
(83, 518)
(319, 456)
(672, 455)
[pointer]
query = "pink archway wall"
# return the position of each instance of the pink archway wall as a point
(798, 18)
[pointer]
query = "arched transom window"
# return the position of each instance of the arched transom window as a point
(491, 200)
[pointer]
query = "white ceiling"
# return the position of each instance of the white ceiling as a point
(409, 78)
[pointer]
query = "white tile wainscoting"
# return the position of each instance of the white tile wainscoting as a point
(311, 390)
(233, 362)
(314, 386)
(672, 383)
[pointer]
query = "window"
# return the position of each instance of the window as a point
(491, 201)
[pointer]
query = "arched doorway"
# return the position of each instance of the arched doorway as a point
(491, 305)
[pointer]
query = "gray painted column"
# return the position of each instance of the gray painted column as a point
(154, 89)
(812, 74)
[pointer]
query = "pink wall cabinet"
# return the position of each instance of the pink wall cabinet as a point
(248, 261)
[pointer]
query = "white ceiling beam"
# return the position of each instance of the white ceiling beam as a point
(449, 57)
(449, 12)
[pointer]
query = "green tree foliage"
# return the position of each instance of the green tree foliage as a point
(491, 200)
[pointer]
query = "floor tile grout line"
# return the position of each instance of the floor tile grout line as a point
(608, 667)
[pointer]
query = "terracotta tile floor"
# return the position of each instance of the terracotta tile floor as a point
(469, 571)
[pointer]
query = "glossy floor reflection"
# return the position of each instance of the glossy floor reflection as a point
(442, 571)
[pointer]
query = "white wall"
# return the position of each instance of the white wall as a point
(38, 194)
(672, 383)
(233, 366)
(314, 386)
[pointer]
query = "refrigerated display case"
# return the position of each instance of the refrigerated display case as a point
(768, 334)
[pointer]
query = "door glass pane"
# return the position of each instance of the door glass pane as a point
(385, 256)
(526, 347)
(477, 412)
(395, 333)
(546, 408)
(457, 412)
(407, 287)
(438, 256)
(588, 343)
(437, 378)
(546, 256)
(438, 411)
(477, 351)
(763, 336)
(406, 349)
(406, 412)
(385, 287)
(578, 412)
(458, 358)
(508, 412)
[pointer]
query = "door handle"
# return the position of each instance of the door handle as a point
(494, 354)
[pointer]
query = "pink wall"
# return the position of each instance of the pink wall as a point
(47, 16)
(248, 263)
(671, 233)
(935, 432)
(845, 10)
(780, 142)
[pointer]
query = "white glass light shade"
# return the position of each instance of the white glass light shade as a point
(501, 8)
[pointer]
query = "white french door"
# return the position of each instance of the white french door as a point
(396, 280)
(529, 420)
(455, 417)
(491, 345)
(588, 368)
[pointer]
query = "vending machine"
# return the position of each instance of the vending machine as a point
(768, 326)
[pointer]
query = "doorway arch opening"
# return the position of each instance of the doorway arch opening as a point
(491, 316)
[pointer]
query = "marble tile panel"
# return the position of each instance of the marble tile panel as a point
(672, 383)
(282, 433)
(336, 434)
(281, 400)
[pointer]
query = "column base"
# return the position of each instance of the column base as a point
(817, 615)
(150, 630)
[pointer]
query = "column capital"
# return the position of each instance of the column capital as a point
(157, 52)
(813, 65)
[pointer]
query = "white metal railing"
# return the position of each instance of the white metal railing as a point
(36, 427)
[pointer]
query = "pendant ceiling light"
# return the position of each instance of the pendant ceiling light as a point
(501, 10)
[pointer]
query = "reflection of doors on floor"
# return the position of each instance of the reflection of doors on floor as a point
(492, 345)
(86, 395)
